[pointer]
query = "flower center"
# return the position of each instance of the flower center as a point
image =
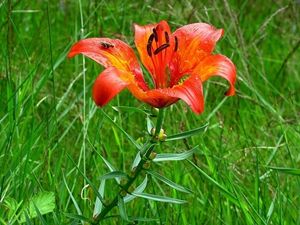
(158, 46)
(154, 37)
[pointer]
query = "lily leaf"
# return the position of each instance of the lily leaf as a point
(111, 168)
(174, 156)
(168, 182)
(136, 160)
(98, 203)
(159, 198)
(122, 209)
(187, 134)
(139, 189)
(114, 175)
(150, 125)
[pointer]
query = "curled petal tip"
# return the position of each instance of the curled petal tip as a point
(221, 32)
(70, 55)
(230, 92)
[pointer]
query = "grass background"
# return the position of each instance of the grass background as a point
(248, 163)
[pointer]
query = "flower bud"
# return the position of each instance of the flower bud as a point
(147, 165)
(152, 131)
(152, 155)
(161, 136)
(123, 181)
(123, 193)
(131, 189)
(132, 172)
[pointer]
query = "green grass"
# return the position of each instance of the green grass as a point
(246, 170)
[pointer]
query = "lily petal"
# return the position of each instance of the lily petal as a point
(110, 52)
(108, 84)
(218, 65)
(111, 81)
(190, 91)
(195, 42)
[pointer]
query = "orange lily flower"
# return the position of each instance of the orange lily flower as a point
(178, 64)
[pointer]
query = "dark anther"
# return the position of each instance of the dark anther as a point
(106, 45)
(150, 40)
(167, 37)
(149, 50)
(160, 48)
(155, 35)
(149, 44)
(176, 44)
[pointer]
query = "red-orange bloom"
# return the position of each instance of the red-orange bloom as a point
(178, 64)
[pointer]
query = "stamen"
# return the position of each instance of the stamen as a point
(149, 44)
(155, 35)
(167, 37)
(150, 40)
(176, 44)
(160, 48)
(149, 50)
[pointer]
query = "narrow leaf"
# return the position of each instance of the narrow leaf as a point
(122, 209)
(131, 139)
(292, 171)
(258, 215)
(136, 160)
(130, 109)
(79, 217)
(223, 190)
(187, 134)
(71, 196)
(274, 150)
(271, 208)
(113, 175)
(98, 203)
(140, 219)
(150, 125)
(139, 189)
(159, 198)
(168, 182)
(110, 167)
(87, 179)
(174, 156)
(39, 214)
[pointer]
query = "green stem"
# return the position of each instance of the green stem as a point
(159, 122)
(148, 150)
